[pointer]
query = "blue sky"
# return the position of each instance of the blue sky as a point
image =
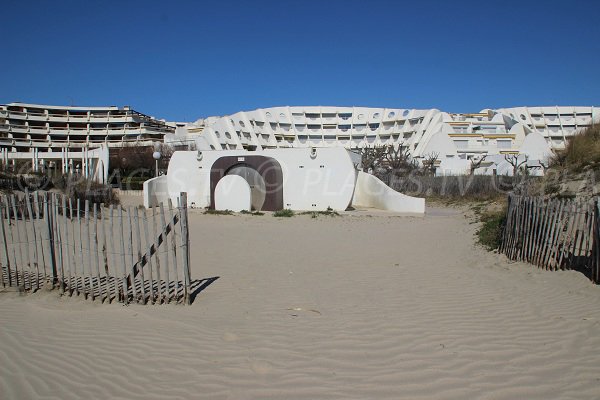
(184, 60)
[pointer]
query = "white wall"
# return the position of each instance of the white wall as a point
(316, 183)
(309, 183)
(156, 191)
(372, 192)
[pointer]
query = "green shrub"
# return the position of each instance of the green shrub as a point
(284, 213)
(218, 212)
(492, 225)
(314, 214)
(252, 212)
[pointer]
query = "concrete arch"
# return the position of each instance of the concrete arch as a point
(270, 182)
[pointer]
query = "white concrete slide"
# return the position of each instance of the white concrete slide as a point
(372, 192)
(233, 193)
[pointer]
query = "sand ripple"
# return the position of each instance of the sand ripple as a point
(402, 308)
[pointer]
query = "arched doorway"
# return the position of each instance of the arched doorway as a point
(263, 174)
(258, 189)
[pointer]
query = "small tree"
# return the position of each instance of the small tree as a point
(429, 163)
(476, 163)
(371, 157)
(513, 159)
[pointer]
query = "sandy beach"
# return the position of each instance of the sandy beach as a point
(368, 305)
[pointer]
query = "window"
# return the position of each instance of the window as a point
(405, 113)
(391, 114)
(504, 144)
(461, 144)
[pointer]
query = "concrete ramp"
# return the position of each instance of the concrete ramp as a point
(372, 192)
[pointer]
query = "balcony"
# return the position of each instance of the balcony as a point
(329, 118)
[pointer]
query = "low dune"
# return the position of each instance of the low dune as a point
(367, 305)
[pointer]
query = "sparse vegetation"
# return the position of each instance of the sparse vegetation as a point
(455, 188)
(218, 212)
(285, 213)
(75, 187)
(314, 214)
(582, 150)
(256, 213)
(492, 225)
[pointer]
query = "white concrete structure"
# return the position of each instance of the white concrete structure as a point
(298, 179)
(456, 138)
(372, 192)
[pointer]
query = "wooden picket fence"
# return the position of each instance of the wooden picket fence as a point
(101, 253)
(554, 234)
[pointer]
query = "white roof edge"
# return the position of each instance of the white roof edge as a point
(76, 108)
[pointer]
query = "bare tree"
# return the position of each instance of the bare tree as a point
(476, 163)
(371, 157)
(398, 158)
(513, 159)
(429, 163)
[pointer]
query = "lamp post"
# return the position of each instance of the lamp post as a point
(156, 155)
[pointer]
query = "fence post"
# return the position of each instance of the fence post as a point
(185, 238)
(6, 265)
(596, 243)
(49, 224)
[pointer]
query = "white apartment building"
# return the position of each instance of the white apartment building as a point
(455, 138)
(74, 138)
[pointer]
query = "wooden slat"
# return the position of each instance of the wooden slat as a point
(568, 235)
(174, 254)
(67, 253)
(123, 259)
(556, 228)
(164, 234)
(185, 241)
(88, 245)
(148, 250)
(40, 231)
(81, 279)
(17, 281)
(132, 257)
(6, 265)
(50, 233)
(95, 260)
(58, 243)
(36, 266)
(104, 249)
(154, 234)
(22, 261)
(113, 251)
(138, 241)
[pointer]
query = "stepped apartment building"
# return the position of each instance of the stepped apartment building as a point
(73, 136)
(455, 138)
